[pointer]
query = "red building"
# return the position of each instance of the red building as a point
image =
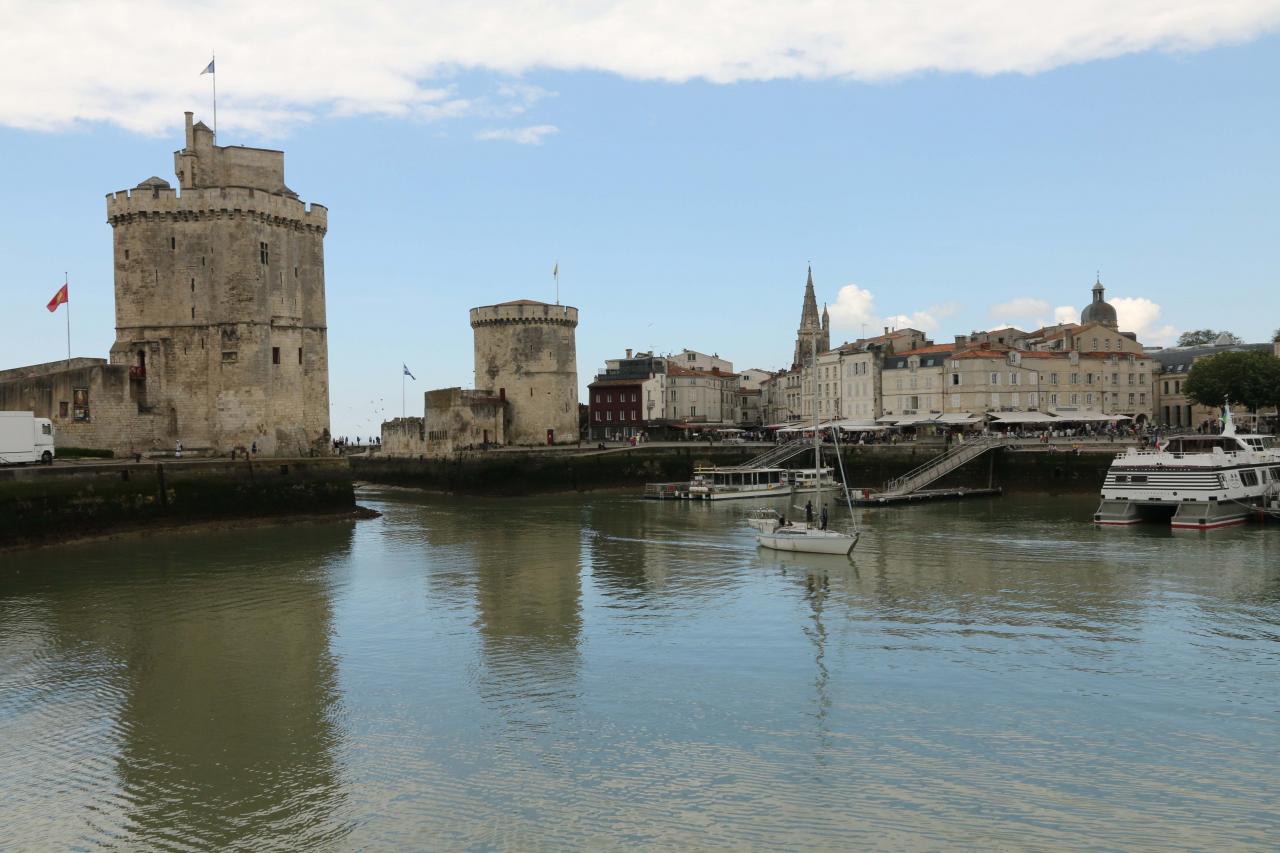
(616, 408)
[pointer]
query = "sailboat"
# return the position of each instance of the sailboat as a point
(806, 537)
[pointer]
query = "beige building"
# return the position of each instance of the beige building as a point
(221, 338)
(912, 381)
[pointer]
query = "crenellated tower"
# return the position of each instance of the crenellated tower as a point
(220, 300)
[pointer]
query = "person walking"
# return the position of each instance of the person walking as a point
(177, 453)
(824, 517)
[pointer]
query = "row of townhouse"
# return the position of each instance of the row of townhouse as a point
(644, 391)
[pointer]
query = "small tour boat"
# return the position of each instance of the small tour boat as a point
(1195, 481)
(764, 520)
(805, 480)
(719, 484)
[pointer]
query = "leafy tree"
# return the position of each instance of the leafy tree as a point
(1275, 336)
(1251, 378)
(1200, 337)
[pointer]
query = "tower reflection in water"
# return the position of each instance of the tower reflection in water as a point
(193, 701)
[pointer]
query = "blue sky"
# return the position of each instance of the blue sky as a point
(683, 212)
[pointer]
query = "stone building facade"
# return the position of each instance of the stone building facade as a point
(526, 353)
(220, 301)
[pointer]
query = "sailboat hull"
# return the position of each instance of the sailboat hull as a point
(808, 541)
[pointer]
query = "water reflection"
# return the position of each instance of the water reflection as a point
(193, 701)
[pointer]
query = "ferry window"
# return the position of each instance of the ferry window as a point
(1138, 478)
(1122, 478)
(1249, 478)
(1275, 473)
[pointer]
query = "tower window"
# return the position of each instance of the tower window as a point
(193, 285)
(126, 254)
(299, 355)
(202, 260)
(275, 355)
(173, 243)
(295, 272)
(193, 312)
(264, 253)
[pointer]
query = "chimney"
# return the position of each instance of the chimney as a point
(886, 331)
(961, 341)
(191, 137)
(628, 352)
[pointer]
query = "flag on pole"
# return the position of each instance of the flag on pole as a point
(208, 69)
(556, 270)
(62, 297)
(406, 370)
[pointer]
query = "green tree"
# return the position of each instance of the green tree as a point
(1251, 378)
(1275, 336)
(1200, 337)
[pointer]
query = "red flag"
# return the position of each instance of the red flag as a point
(59, 298)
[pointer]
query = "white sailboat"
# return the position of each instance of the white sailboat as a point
(806, 537)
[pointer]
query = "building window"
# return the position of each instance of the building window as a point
(955, 379)
(608, 416)
(1053, 399)
(1130, 399)
(173, 243)
(193, 312)
(1053, 379)
(597, 417)
(264, 254)
(597, 397)
(1013, 379)
(126, 254)
(63, 409)
(299, 355)
(275, 355)
(608, 398)
(1088, 399)
(995, 379)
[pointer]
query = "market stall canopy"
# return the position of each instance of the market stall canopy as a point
(1090, 416)
(1025, 417)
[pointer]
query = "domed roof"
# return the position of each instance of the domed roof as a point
(1099, 310)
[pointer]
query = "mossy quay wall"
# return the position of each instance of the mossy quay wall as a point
(49, 504)
(506, 473)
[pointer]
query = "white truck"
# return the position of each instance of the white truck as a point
(25, 438)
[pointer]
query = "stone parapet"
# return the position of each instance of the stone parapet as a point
(216, 203)
(524, 312)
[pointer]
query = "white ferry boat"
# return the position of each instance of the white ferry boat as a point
(719, 484)
(1195, 481)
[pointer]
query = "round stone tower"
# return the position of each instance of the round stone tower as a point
(220, 306)
(526, 353)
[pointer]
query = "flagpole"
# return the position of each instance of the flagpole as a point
(214, 61)
(66, 283)
(402, 391)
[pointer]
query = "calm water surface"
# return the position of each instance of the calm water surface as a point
(602, 672)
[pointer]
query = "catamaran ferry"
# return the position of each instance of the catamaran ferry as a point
(1195, 481)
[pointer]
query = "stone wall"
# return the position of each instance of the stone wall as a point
(525, 351)
(403, 437)
(92, 405)
(458, 419)
(59, 503)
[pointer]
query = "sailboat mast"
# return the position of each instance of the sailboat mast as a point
(817, 440)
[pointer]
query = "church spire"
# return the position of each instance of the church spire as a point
(810, 325)
(809, 313)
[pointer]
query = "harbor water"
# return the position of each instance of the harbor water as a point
(601, 672)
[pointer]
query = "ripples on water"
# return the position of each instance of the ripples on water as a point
(602, 672)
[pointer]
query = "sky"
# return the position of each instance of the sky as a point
(951, 167)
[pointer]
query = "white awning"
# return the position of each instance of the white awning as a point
(856, 426)
(960, 418)
(1025, 417)
(1090, 416)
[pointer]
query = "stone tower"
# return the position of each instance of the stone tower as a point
(526, 353)
(810, 325)
(220, 307)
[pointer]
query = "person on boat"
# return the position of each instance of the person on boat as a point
(808, 512)
(824, 517)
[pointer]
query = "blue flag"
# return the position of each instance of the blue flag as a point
(208, 69)
(407, 373)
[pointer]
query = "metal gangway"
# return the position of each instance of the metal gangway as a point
(773, 457)
(940, 466)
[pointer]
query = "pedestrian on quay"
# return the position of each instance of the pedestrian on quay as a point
(253, 448)
(808, 512)
(824, 517)
(177, 453)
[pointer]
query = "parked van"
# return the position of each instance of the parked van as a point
(24, 438)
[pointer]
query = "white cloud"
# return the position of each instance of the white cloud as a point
(1022, 308)
(1066, 314)
(854, 310)
(1029, 313)
(520, 135)
(1141, 315)
(136, 63)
